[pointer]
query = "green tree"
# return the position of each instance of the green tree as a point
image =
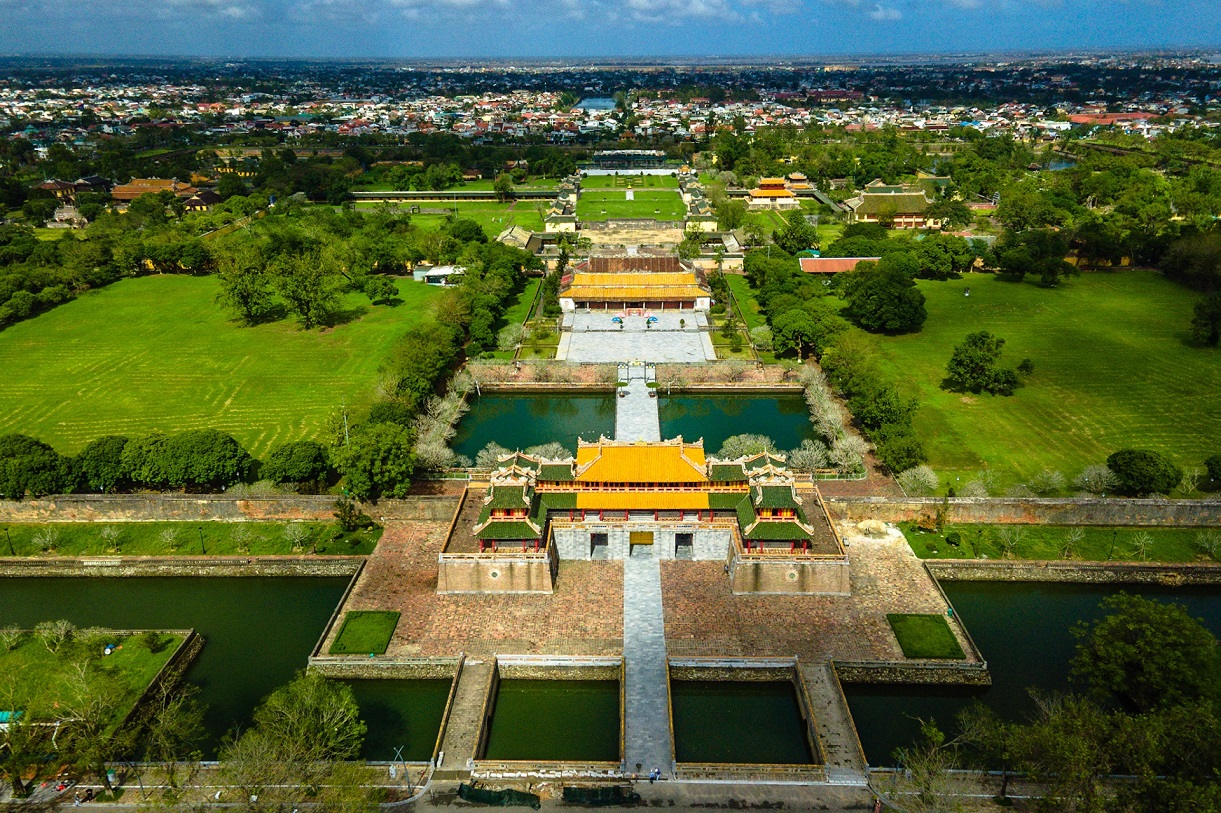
(1147, 655)
(1206, 320)
(245, 283)
(953, 214)
(883, 300)
(380, 289)
(309, 285)
(503, 187)
(794, 331)
(205, 459)
(378, 461)
(797, 235)
(101, 464)
(31, 466)
(23, 741)
(301, 463)
(972, 366)
(1141, 471)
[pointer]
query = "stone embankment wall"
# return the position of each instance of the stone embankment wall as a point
(559, 668)
(496, 573)
(348, 667)
(182, 566)
(1173, 575)
(782, 575)
(915, 674)
(1032, 511)
(210, 508)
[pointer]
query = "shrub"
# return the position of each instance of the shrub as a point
(1141, 471)
(1046, 483)
(899, 447)
(302, 463)
(745, 445)
(1213, 464)
(31, 466)
(350, 518)
(489, 455)
(761, 337)
(378, 460)
(101, 464)
(809, 456)
(551, 451)
(973, 489)
(919, 481)
(1096, 479)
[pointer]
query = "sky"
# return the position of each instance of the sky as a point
(558, 28)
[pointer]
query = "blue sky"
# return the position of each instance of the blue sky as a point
(505, 28)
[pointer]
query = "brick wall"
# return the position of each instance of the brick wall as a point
(1069, 511)
(795, 577)
(209, 507)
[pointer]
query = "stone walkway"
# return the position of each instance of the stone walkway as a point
(465, 719)
(636, 415)
(594, 338)
(836, 734)
(647, 715)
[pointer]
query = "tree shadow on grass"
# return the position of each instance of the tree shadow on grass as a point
(345, 316)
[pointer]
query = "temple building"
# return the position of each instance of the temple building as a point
(893, 205)
(663, 499)
(772, 193)
(634, 282)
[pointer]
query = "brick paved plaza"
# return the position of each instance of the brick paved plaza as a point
(584, 615)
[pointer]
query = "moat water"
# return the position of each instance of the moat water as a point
(401, 714)
(546, 720)
(1024, 631)
(738, 721)
(521, 421)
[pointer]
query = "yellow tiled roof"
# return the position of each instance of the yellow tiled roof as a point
(642, 500)
(664, 285)
(641, 462)
(771, 193)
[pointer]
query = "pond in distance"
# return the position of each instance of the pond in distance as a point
(785, 419)
(549, 720)
(521, 421)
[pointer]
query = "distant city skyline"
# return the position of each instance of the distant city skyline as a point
(593, 28)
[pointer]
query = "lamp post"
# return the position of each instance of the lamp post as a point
(9, 536)
(202, 546)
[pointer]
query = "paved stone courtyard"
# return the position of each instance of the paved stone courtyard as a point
(595, 339)
(585, 614)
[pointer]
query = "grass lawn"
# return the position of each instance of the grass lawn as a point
(519, 307)
(365, 632)
(629, 181)
(492, 216)
(1113, 369)
(925, 636)
(50, 235)
(1052, 542)
(158, 353)
(748, 305)
(658, 205)
(184, 539)
(43, 681)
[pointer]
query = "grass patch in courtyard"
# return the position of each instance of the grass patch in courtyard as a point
(1047, 542)
(45, 683)
(158, 353)
(492, 216)
(1113, 369)
(365, 632)
(519, 307)
(184, 539)
(925, 636)
(629, 182)
(744, 295)
(613, 205)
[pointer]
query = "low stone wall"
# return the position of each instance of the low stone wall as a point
(915, 674)
(350, 668)
(546, 387)
(210, 508)
(1173, 575)
(1032, 511)
(181, 566)
(500, 573)
(776, 388)
(168, 675)
(731, 669)
(782, 575)
(542, 668)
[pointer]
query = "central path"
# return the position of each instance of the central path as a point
(636, 415)
(647, 713)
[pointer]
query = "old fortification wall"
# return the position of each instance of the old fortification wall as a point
(346, 667)
(1048, 511)
(1079, 572)
(794, 577)
(917, 674)
(499, 574)
(182, 566)
(210, 508)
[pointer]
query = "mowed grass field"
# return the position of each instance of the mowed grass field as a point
(492, 216)
(629, 182)
(1113, 369)
(607, 205)
(158, 353)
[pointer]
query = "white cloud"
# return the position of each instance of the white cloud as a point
(881, 12)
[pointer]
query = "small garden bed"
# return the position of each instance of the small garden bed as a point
(365, 632)
(925, 636)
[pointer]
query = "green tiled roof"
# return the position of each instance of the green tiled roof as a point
(725, 502)
(508, 530)
(558, 500)
(776, 497)
(556, 472)
(726, 472)
(786, 531)
(746, 513)
(508, 497)
(901, 204)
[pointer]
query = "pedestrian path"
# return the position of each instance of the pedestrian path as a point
(647, 714)
(836, 733)
(465, 719)
(636, 415)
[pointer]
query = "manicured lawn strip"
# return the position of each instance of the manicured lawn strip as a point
(614, 204)
(629, 181)
(365, 632)
(925, 636)
(745, 297)
(519, 307)
(154, 539)
(42, 681)
(494, 217)
(1097, 544)
(1113, 369)
(158, 353)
